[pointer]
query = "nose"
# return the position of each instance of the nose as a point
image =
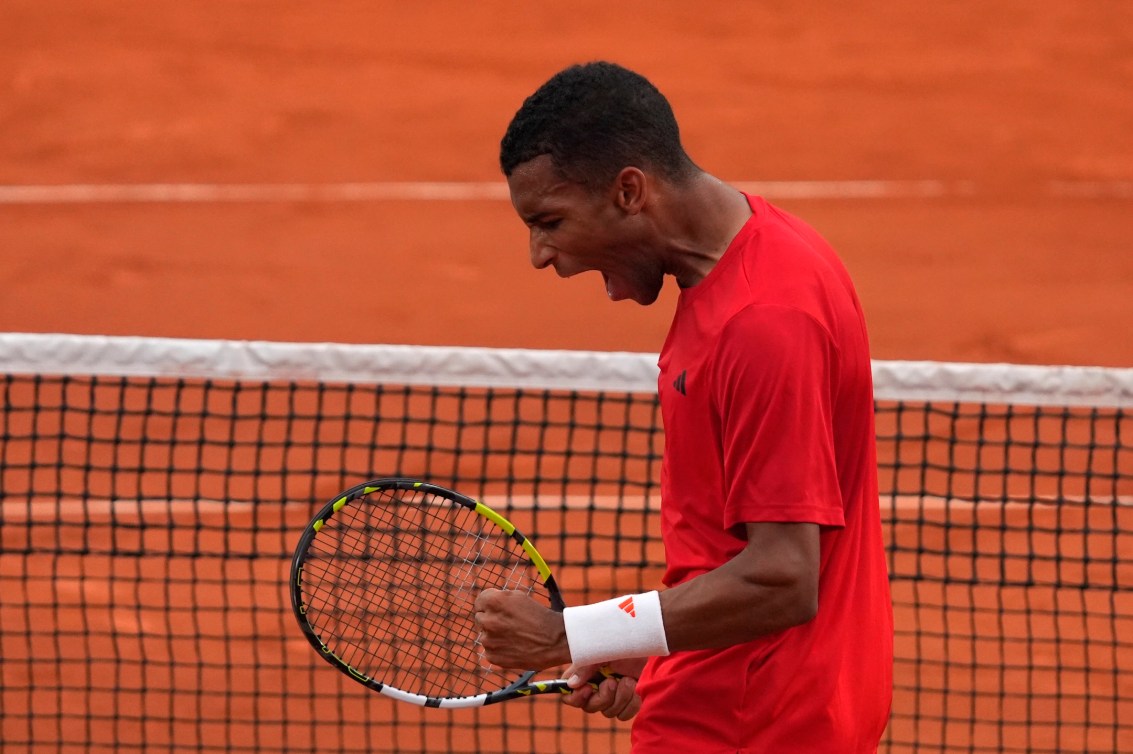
(541, 254)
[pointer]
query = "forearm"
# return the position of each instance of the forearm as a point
(771, 585)
(747, 597)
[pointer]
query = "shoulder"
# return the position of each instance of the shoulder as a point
(771, 327)
(768, 346)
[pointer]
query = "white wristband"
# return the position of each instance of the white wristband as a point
(627, 626)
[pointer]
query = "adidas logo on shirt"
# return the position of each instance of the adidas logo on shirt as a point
(679, 383)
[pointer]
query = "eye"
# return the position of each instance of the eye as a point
(548, 224)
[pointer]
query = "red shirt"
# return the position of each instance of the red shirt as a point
(767, 399)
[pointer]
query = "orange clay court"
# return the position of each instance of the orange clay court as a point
(327, 172)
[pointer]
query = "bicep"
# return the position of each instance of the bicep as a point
(773, 393)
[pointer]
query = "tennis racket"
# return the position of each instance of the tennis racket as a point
(383, 583)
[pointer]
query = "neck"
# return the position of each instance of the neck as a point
(699, 222)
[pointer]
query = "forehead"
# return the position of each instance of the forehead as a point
(537, 186)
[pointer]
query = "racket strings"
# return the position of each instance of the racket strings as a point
(402, 586)
(392, 579)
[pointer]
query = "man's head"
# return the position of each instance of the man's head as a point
(593, 120)
(596, 171)
(584, 158)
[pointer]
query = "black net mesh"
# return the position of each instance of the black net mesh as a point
(148, 524)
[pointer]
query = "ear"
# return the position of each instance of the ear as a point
(630, 189)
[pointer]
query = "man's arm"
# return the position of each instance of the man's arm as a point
(771, 585)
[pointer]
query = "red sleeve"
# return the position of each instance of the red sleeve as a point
(773, 387)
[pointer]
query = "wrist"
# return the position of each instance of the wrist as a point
(624, 627)
(559, 649)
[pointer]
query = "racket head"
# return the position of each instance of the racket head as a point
(383, 582)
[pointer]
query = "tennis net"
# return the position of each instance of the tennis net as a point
(152, 491)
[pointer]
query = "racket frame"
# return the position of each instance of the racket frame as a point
(522, 686)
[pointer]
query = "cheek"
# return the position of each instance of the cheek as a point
(577, 242)
(597, 241)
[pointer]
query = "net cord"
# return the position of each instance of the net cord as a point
(132, 356)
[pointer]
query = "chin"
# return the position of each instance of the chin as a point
(654, 292)
(645, 298)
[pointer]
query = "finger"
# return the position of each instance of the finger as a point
(631, 709)
(626, 700)
(603, 698)
(578, 676)
(484, 599)
(579, 697)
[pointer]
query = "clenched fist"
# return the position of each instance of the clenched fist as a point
(519, 633)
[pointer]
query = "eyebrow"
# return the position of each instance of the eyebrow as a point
(536, 217)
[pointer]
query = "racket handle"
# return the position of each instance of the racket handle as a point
(603, 673)
(548, 687)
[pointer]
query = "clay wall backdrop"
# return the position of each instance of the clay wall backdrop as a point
(1005, 235)
(328, 171)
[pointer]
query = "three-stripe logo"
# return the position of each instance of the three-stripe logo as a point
(627, 606)
(679, 383)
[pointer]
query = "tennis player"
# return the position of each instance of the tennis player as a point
(774, 633)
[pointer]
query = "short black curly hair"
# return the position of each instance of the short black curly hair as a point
(593, 120)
